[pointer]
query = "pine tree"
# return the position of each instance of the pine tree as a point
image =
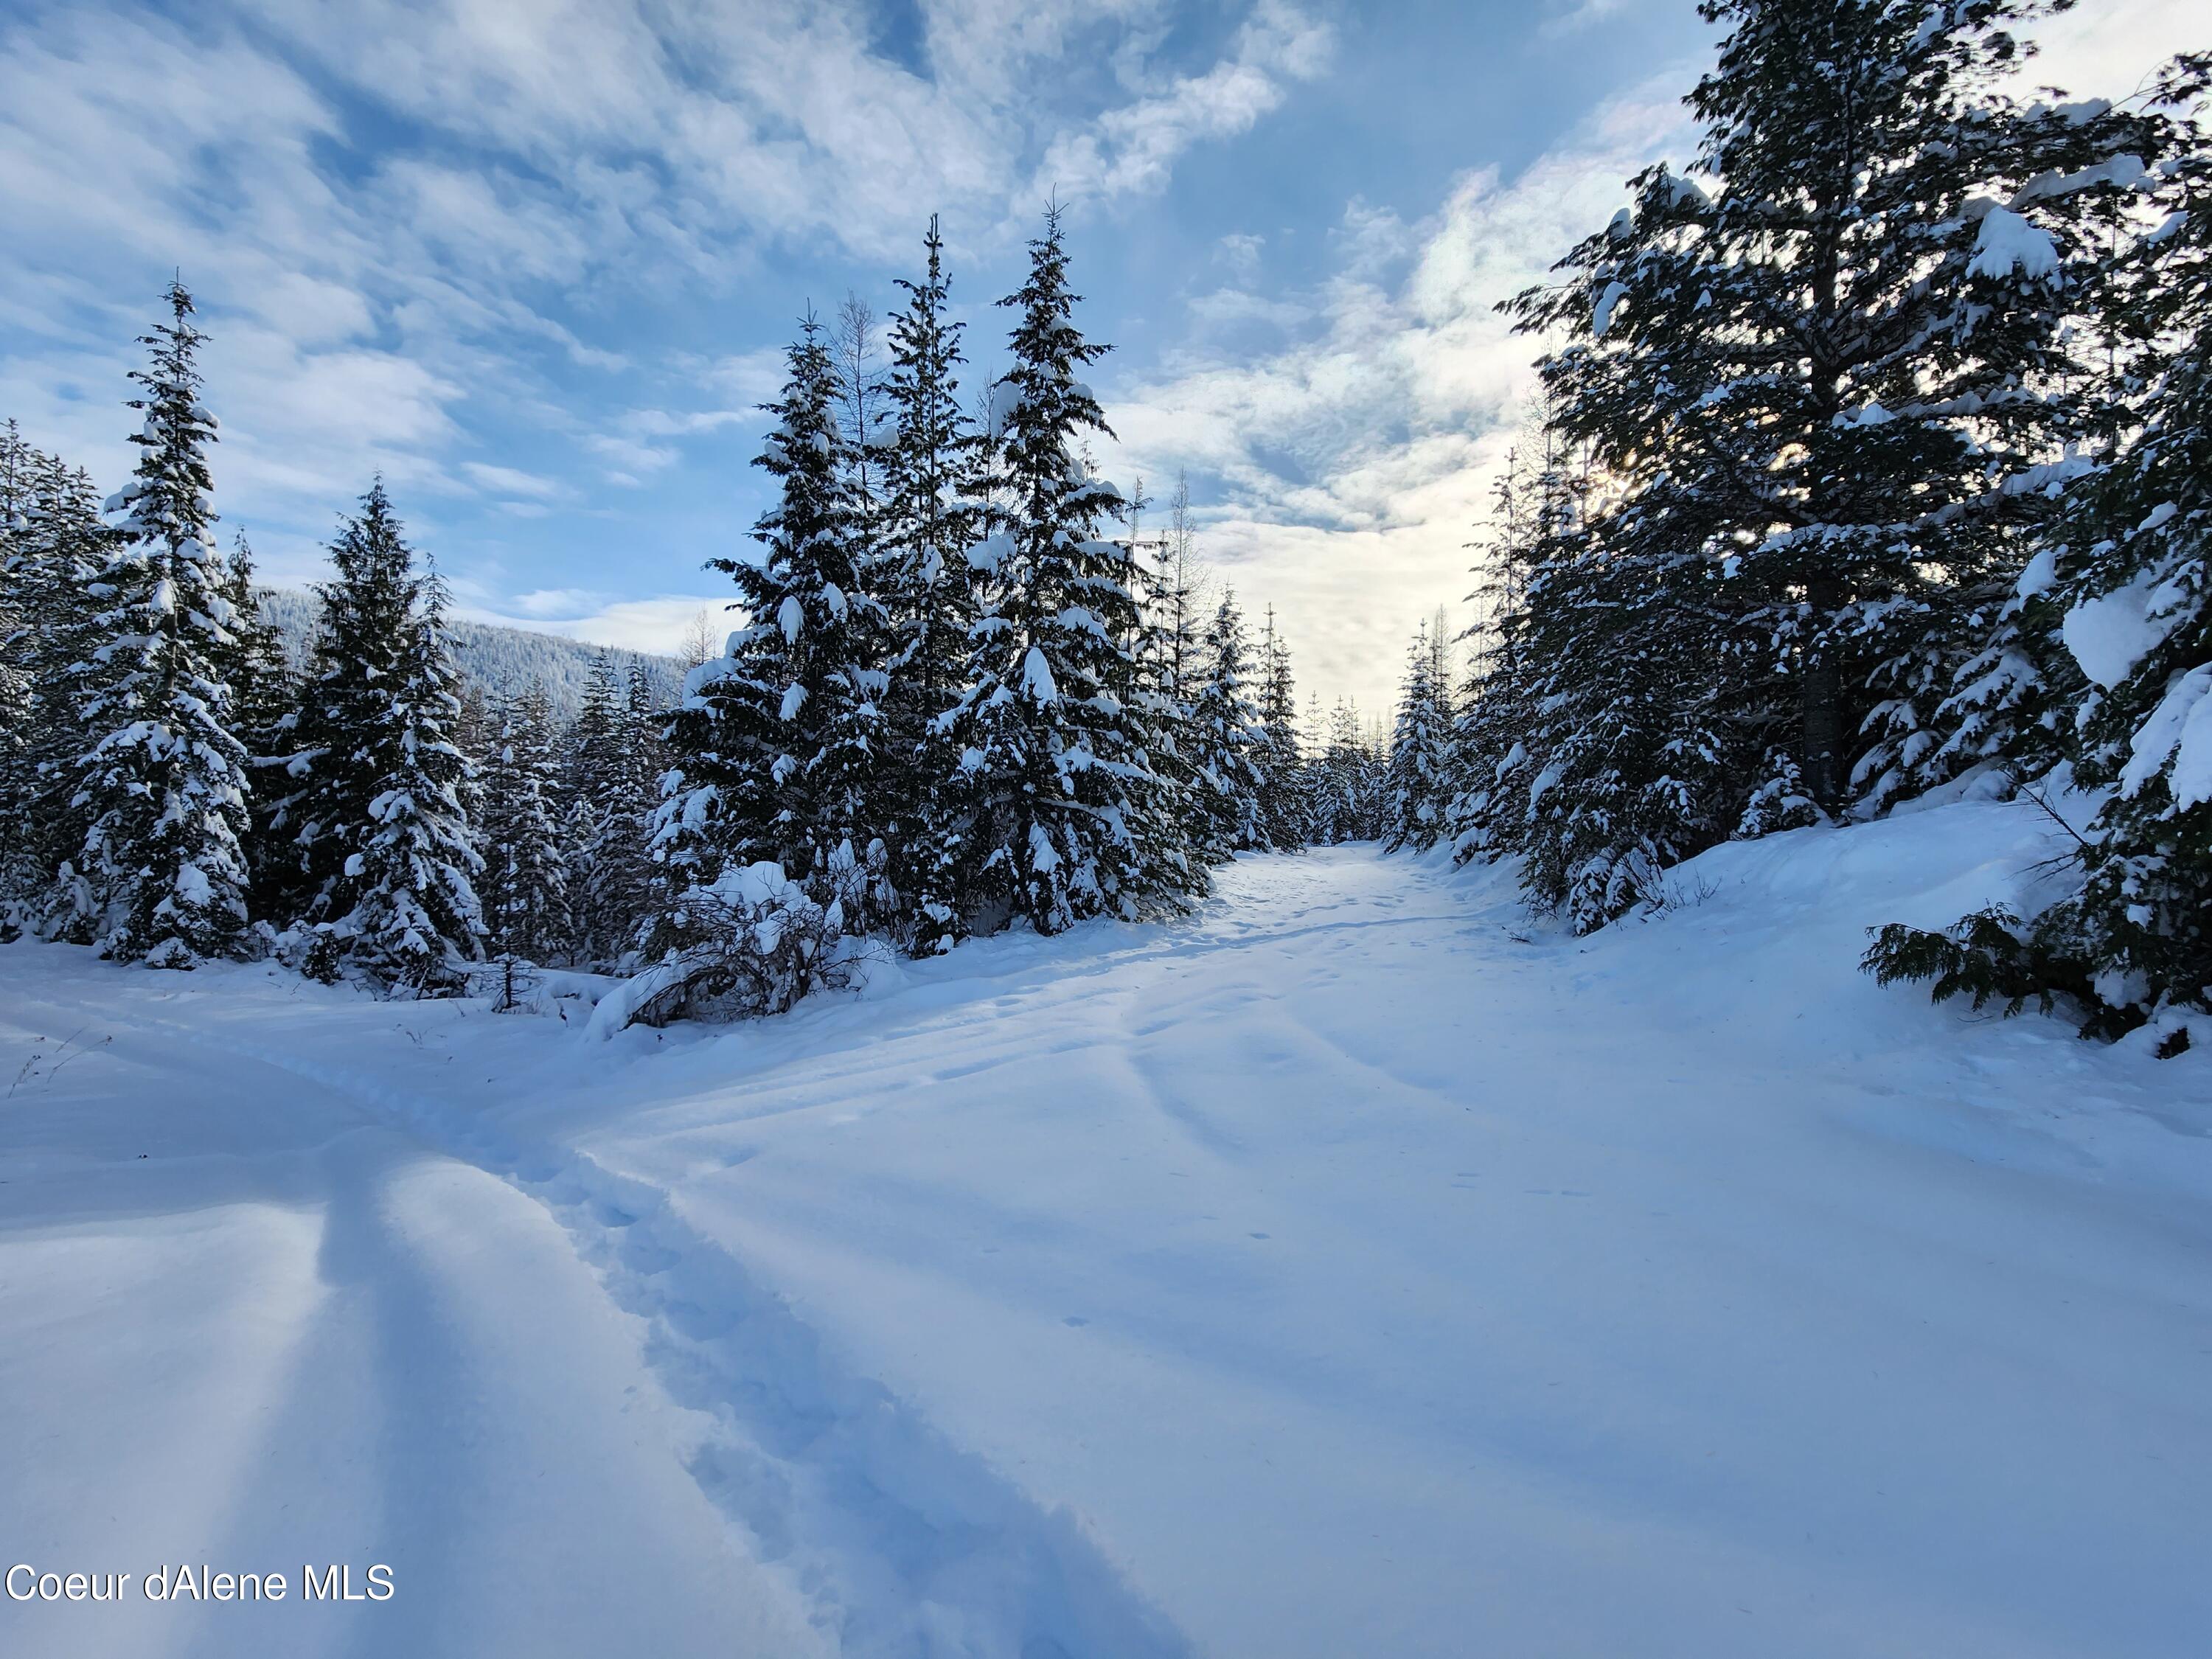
(2126, 576)
(263, 697)
(1486, 817)
(526, 884)
(776, 745)
(1416, 782)
(375, 841)
(1825, 398)
(612, 788)
(162, 774)
(61, 549)
(1285, 811)
(1170, 677)
(20, 873)
(932, 516)
(1231, 745)
(1057, 812)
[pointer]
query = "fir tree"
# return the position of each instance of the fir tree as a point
(526, 885)
(162, 775)
(375, 842)
(611, 792)
(932, 516)
(1285, 811)
(775, 743)
(1231, 745)
(1057, 813)
(2127, 577)
(1416, 783)
(1824, 397)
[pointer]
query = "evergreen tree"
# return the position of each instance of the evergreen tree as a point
(526, 883)
(1171, 678)
(263, 697)
(162, 775)
(1286, 814)
(1490, 765)
(2126, 576)
(611, 792)
(1824, 397)
(1416, 783)
(932, 516)
(1231, 746)
(374, 839)
(61, 548)
(20, 873)
(775, 743)
(1056, 816)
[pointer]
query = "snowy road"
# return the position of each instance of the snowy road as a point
(1352, 1270)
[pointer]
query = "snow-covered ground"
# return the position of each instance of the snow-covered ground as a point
(1353, 1270)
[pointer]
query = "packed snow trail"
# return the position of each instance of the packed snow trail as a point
(1353, 1269)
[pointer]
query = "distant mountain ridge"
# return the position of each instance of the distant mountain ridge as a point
(497, 659)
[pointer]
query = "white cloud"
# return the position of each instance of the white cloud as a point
(1350, 465)
(510, 480)
(359, 299)
(1132, 149)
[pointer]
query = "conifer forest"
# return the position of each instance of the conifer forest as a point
(969, 1101)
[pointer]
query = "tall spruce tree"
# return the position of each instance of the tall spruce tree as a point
(932, 487)
(2126, 578)
(376, 849)
(612, 787)
(1231, 745)
(1284, 811)
(1417, 782)
(162, 775)
(1057, 811)
(1826, 397)
(776, 745)
(526, 883)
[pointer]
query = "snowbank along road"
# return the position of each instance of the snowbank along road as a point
(1355, 1269)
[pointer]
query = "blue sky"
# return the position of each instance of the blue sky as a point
(536, 262)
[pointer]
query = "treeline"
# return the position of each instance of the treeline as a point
(964, 690)
(1873, 461)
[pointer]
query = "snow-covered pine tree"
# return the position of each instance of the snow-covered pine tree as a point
(1231, 755)
(2127, 574)
(20, 874)
(1347, 792)
(1172, 583)
(1416, 784)
(612, 788)
(1284, 812)
(931, 516)
(60, 549)
(1486, 817)
(775, 743)
(1830, 393)
(262, 696)
(375, 840)
(526, 883)
(1056, 818)
(162, 775)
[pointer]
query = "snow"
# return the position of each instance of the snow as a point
(2109, 635)
(1355, 1268)
(1036, 677)
(2180, 730)
(1601, 316)
(2041, 575)
(791, 617)
(2010, 242)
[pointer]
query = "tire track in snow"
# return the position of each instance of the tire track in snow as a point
(906, 1546)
